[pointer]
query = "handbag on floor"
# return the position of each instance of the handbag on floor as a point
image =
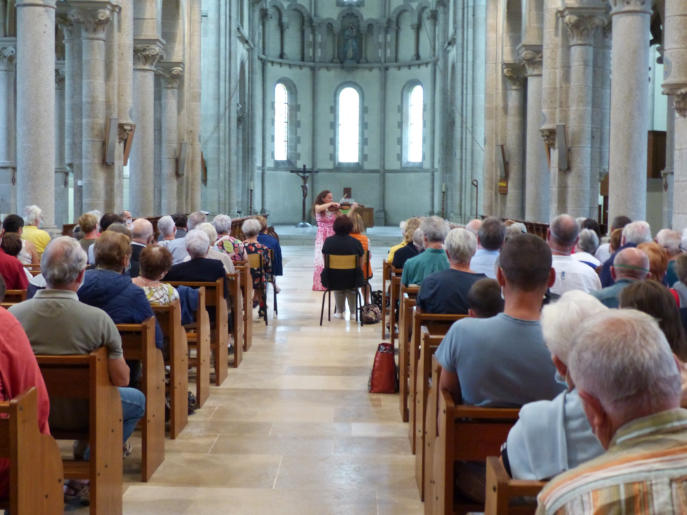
(383, 378)
(370, 314)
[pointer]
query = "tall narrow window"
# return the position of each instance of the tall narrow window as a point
(281, 122)
(413, 127)
(348, 138)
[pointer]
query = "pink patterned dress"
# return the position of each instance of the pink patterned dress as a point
(325, 229)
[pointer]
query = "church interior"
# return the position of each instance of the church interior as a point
(464, 109)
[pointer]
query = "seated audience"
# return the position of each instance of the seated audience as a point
(88, 225)
(570, 273)
(358, 233)
(180, 222)
(553, 436)
(108, 288)
(142, 234)
(590, 223)
(410, 250)
(128, 219)
(514, 228)
(447, 291)
(104, 224)
(340, 281)
(484, 299)
(631, 264)
(658, 260)
(605, 249)
(271, 240)
(433, 259)
(629, 384)
(680, 286)
(226, 243)
(474, 226)
(670, 241)
(408, 228)
(213, 253)
(587, 243)
(11, 269)
(490, 238)
(39, 237)
(251, 229)
(196, 218)
(155, 262)
(633, 234)
(28, 254)
(175, 245)
(11, 245)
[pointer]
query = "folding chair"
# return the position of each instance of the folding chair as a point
(348, 262)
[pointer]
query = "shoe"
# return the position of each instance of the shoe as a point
(338, 315)
(127, 449)
(192, 404)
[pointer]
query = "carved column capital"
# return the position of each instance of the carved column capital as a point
(548, 134)
(93, 17)
(147, 52)
(630, 6)
(582, 23)
(531, 56)
(514, 73)
(172, 71)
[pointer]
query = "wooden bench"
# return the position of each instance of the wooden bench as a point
(86, 377)
(405, 324)
(198, 341)
(436, 324)
(14, 296)
(246, 283)
(394, 298)
(219, 328)
(460, 433)
(501, 490)
(386, 303)
(34, 270)
(35, 468)
(138, 343)
(237, 314)
(169, 318)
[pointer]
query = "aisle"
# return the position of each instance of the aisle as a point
(293, 430)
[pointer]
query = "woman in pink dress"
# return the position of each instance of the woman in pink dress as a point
(326, 211)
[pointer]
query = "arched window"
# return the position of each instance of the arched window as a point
(348, 126)
(413, 124)
(281, 122)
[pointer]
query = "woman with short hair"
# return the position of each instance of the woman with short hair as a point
(155, 262)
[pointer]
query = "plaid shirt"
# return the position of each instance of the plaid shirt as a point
(644, 471)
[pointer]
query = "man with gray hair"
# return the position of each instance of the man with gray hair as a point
(56, 322)
(196, 218)
(176, 246)
(447, 291)
(631, 264)
(587, 243)
(490, 238)
(141, 235)
(633, 234)
(629, 383)
(570, 273)
(433, 259)
(671, 242)
(33, 216)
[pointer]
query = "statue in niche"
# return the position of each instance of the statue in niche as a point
(350, 48)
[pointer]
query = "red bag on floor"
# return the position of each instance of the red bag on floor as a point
(383, 377)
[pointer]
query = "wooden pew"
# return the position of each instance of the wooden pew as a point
(501, 489)
(198, 340)
(219, 330)
(34, 270)
(14, 296)
(394, 297)
(247, 291)
(437, 324)
(237, 314)
(463, 433)
(169, 318)
(138, 343)
(386, 284)
(86, 377)
(405, 324)
(36, 472)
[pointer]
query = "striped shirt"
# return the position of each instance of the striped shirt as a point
(644, 471)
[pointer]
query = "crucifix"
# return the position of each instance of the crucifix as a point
(304, 174)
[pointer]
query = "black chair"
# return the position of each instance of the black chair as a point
(341, 263)
(257, 265)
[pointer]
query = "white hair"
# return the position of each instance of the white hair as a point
(670, 240)
(588, 241)
(195, 218)
(208, 229)
(62, 261)
(460, 245)
(197, 243)
(166, 225)
(560, 319)
(622, 358)
(32, 215)
(434, 228)
(251, 227)
(637, 232)
(222, 224)
(418, 238)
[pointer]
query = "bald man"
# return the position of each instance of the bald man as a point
(141, 235)
(629, 265)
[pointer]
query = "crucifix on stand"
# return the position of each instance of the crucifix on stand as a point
(304, 174)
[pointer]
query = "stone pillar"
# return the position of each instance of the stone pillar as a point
(36, 106)
(629, 108)
(172, 73)
(8, 166)
(514, 73)
(582, 24)
(194, 59)
(93, 17)
(61, 170)
(675, 84)
(537, 171)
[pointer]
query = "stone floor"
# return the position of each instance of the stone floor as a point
(293, 429)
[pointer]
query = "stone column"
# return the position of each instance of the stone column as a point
(629, 108)
(675, 84)
(537, 171)
(172, 73)
(8, 166)
(194, 166)
(582, 24)
(514, 73)
(36, 105)
(93, 17)
(61, 170)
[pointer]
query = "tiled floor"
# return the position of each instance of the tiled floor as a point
(293, 429)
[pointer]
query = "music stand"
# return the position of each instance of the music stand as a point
(304, 174)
